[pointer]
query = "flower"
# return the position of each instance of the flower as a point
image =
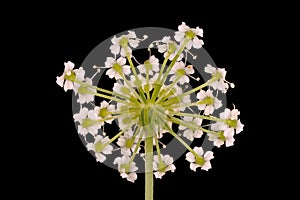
(151, 65)
(188, 133)
(169, 47)
(231, 120)
(192, 33)
(88, 122)
(127, 143)
(161, 166)
(116, 67)
(68, 77)
(104, 111)
(208, 102)
(85, 91)
(124, 40)
(199, 160)
(100, 146)
(180, 71)
(126, 168)
(224, 137)
(220, 84)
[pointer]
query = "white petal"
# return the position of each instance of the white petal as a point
(90, 146)
(198, 134)
(179, 36)
(210, 69)
(201, 95)
(166, 39)
(208, 110)
(229, 132)
(208, 155)
(189, 44)
(68, 85)
(234, 114)
(168, 159)
(199, 150)
(134, 43)
(68, 67)
(109, 62)
(183, 27)
(190, 157)
(131, 34)
(229, 142)
(60, 80)
(194, 166)
(115, 49)
(126, 69)
(121, 61)
(111, 73)
(188, 134)
(132, 177)
(197, 44)
(206, 166)
(108, 149)
(189, 69)
(162, 48)
(217, 103)
(100, 157)
(142, 69)
(159, 174)
(239, 127)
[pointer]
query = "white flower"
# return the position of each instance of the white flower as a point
(130, 38)
(179, 70)
(116, 67)
(162, 167)
(186, 31)
(100, 147)
(125, 170)
(104, 111)
(68, 77)
(152, 65)
(220, 84)
(201, 160)
(169, 47)
(127, 143)
(232, 121)
(188, 133)
(85, 92)
(225, 137)
(208, 102)
(88, 120)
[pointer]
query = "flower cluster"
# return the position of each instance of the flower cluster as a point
(147, 99)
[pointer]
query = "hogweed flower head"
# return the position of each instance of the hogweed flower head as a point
(149, 100)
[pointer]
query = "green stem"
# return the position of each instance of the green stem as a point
(198, 116)
(214, 78)
(149, 167)
(110, 98)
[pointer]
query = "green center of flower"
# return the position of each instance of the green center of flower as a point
(103, 112)
(99, 147)
(148, 65)
(129, 143)
(83, 89)
(231, 123)
(207, 101)
(162, 167)
(190, 34)
(87, 122)
(180, 72)
(118, 68)
(71, 77)
(199, 160)
(126, 167)
(124, 41)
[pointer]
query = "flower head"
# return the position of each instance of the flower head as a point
(162, 164)
(126, 168)
(100, 146)
(88, 122)
(199, 160)
(69, 76)
(124, 41)
(185, 31)
(208, 102)
(116, 67)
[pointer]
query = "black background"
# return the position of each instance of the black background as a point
(57, 164)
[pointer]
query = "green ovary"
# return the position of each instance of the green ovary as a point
(129, 143)
(232, 123)
(190, 34)
(199, 160)
(99, 147)
(71, 77)
(103, 113)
